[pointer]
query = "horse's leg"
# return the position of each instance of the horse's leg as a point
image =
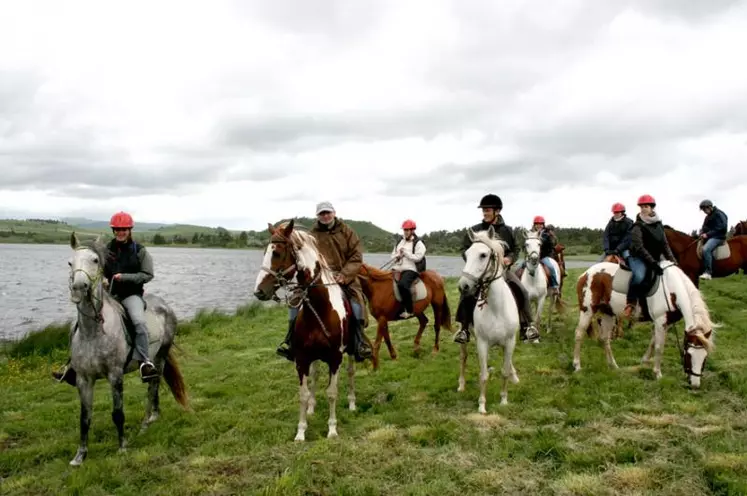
(351, 384)
(388, 340)
(303, 396)
(647, 356)
(152, 405)
(482, 354)
(85, 392)
(608, 327)
(313, 380)
(423, 320)
(509, 372)
(584, 321)
(437, 316)
(540, 306)
(462, 365)
(660, 336)
(118, 417)
(334, 369)
(380, 324)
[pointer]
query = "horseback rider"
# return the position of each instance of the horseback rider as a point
(648, 245)
(714, 230)
(617, 233)
(548, 241)
(491, 206)
(127, 269)
(406, 263)
(341, 248)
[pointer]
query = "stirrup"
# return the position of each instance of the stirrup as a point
(462, 336)
(148, 377)
(531, 333)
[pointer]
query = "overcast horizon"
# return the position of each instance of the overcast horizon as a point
(238, 113)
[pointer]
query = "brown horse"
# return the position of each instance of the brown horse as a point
(741, 228)
(688, 251)
(428, 289)
(559, 256)
(322, 325)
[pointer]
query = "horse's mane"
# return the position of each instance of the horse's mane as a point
(700, 310)
(302, 238)
(667, 226)
(378, 274)
(102, 251)
(497, 245)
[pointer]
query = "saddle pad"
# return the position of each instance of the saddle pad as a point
(418, 290)
(621, 281)
(722, 252)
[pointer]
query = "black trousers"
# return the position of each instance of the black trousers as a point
(467, 303)
(404, 285)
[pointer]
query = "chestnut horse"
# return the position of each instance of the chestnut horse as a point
(428, 289)
(687, 250)
(741, 228)
(322, 325)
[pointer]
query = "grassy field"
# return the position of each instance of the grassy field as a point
(598, 432)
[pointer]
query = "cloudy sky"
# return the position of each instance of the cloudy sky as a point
(239, 113)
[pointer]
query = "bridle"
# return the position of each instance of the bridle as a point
(97, 302)
(487, 277)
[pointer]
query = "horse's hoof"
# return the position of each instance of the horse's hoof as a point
(300, 437)
(352, 407)
(332, 433)
(515, 379)
(79, 457)
(310, 411)
(482, 411)
(504, 401)
(122, 450)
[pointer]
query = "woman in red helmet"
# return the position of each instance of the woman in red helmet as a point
(547, 249)
(127, 269)
(617, 233)
(409, 258)
(648, 245)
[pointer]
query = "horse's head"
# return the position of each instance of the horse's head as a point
(279, 264)
(87, 271)
(532, 245)
(484, 260)
(741, 228)
(695, 350)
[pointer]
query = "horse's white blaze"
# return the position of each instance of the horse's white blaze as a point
(266, 262)
(697, 358)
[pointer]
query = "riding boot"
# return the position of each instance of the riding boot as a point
(527, 331)
(362, 350)
(462, 335)
(65, 374)
(286, 348)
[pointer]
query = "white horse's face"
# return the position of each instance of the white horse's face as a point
(478, 257)
(85, 270)
(532, 247)
(695, 357)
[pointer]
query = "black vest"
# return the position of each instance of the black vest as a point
(123, 259)
(654, 238)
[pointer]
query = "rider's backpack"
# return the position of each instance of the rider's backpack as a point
(420, 266)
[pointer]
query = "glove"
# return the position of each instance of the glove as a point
(657, 269)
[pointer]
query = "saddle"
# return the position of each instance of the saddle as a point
(621, 281)
(417, 289)
(721, 252)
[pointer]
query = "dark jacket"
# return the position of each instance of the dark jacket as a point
(502, 230)
(716, 224)
(649, 242)
(548, 242)
(135, 264)
(617, 235)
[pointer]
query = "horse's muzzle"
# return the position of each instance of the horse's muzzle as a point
(261, 295)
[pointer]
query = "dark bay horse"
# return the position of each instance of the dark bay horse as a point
(322, 326)
(428, 290)
(687, 250)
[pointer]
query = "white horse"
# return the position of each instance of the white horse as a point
(536, 281)
(672, 297)
(496, 315)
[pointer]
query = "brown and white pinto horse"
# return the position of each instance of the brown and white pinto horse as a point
(321, 330)
(673, 297)
(688, 251)
(428, 290)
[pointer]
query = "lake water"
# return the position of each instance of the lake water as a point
(34, 281)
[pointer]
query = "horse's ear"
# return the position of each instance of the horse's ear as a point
(471, 234)
(288, 229)
(271, 228)
(74, 242)
(98, 240)
(491, 232)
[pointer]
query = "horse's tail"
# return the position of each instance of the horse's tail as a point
(172, 374)
(445, 313)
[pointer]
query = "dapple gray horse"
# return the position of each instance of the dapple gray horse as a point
(99, 347)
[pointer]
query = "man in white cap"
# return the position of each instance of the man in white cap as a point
(341, 247)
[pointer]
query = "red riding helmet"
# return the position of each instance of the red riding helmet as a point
(121, 220)
(538, 220)
(646, 200)
(618, 207)
(409, 224)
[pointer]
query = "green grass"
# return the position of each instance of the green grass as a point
(598, 432)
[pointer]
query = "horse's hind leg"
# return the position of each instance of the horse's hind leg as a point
(313, 379)
(334, 370)
(608, 327)
(351, 384)
(85, 392)
(437, 316)
(423, 321)
(462, 366)
(647, 356)
(303, 397)
(509, 372)
(584, 321)
(482, 354)
(152, 404)
(118, 417)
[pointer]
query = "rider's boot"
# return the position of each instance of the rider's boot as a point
(362, 350)
(65, 374)
(285, 349)
(148, 371)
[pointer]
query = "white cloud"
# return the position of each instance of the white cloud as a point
(240, 113)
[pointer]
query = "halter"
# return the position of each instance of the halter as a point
(94, 281)
(300, 292)
(531, 269)
(483, 283)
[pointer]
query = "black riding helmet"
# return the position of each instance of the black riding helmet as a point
(491, 201)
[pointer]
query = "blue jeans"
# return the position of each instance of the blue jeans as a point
(553, 275)
(708, 247)
(638, 267)
(135, 307)
(357, 310)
